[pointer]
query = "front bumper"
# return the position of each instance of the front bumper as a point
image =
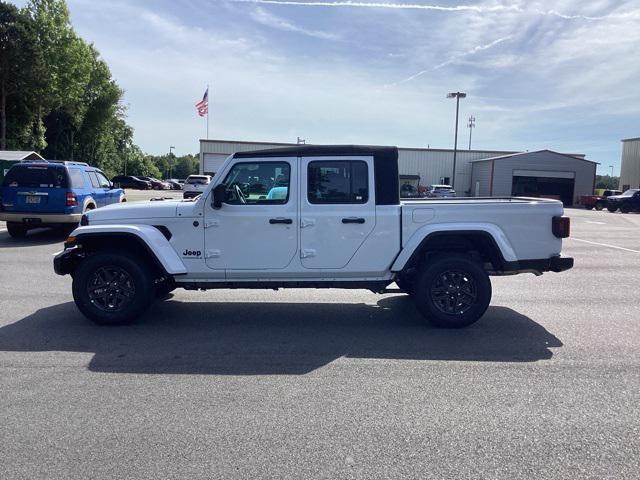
(40, 218)
(554, 264)
(64, 262)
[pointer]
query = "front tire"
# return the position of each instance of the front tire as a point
(625, 209)
(612, 209)
(599, 206)
(16, 230)
(112, 288)
(452, 291)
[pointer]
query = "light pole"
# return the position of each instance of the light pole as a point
(457, 96)
(471, 125)
(170, 164)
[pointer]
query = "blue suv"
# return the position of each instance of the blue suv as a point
(51, 194)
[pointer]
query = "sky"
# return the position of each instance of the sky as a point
(562, 75)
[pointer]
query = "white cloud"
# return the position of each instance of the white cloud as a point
(268, 19)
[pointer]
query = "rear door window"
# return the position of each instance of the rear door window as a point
(36, 177)
(338, 182)
(76, 177)
(94, 180)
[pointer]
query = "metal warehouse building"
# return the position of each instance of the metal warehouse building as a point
(630, 168)
(435, 166)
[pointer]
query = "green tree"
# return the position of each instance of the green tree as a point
(607, 182)
(20, 81)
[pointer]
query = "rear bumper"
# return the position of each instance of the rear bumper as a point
(40, 218)
(553, 264)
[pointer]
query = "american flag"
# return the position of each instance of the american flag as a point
(203, 105)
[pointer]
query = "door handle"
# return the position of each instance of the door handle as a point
(286, 221)
(353, 220)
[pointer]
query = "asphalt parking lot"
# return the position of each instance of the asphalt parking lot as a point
(328, 383)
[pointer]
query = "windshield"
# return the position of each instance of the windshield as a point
(36, 177)
(630, 192)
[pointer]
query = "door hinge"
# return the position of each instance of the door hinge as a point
(211, 223)
(307, 222)
(212, 254)
(307, 252)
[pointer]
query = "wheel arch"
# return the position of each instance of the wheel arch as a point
(487, 245)
(145, 240)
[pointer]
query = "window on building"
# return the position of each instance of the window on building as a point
(330, 182)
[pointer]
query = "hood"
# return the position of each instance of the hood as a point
(127, 211)
(617, 197)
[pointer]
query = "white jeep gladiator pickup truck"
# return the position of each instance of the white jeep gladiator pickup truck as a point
(311, 217)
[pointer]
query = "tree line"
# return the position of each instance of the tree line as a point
(57, 96)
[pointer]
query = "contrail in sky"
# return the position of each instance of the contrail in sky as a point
(451, 60)
(454, 8)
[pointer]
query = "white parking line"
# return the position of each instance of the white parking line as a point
(605, 245)
(596, 223)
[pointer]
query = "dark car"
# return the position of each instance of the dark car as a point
(597, 201)
(629, 201)
(129, 181)
(173, 183)
(156, 184)
(409, 191)
(52, 194)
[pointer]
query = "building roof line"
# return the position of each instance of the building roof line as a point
(244, 142)
(630, 139)
(502, 157)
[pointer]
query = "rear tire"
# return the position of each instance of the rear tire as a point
(625, 209)
(112, 288)
(16, 230)
(599, 206)
(452, 291)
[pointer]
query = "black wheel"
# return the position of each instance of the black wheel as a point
(625, 208)
(16, 230)
(599, 206)
(612, 209)
(452, 291)
(112, 288)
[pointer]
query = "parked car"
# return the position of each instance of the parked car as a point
(331, 218)
(597, 201)
(409, 191)
(128, 181)
(155, 183)
(629, 201)
(194, 185)
(53, 194)
(441, 191)
(173, 183)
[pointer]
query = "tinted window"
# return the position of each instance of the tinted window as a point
(36, 176)
(76, 177)
(104, 182)
(94, 180)
(258, 182)
(338, 182)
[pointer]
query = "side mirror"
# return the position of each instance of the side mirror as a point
(219, 195)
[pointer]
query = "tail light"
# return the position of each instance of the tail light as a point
(561, 226)
(72, 200)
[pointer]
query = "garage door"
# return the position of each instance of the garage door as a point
(546, 184)
(212, 162)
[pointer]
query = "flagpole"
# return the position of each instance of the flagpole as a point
(208, 111)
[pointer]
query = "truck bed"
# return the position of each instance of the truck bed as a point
(525, 223)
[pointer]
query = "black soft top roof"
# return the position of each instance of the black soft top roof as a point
(390, 153)
(385, 160)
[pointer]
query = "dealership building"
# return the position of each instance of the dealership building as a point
(542, 173)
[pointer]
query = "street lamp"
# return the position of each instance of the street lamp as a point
(457, 96)
(471, 125)
(170, 164)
